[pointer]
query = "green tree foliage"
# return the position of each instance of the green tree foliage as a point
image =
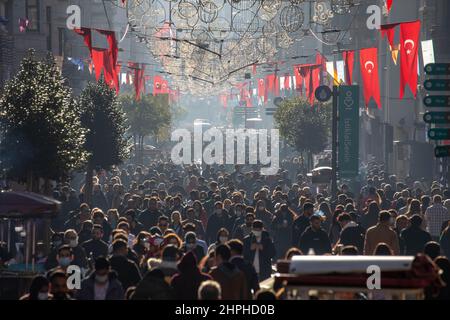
(150, 116)
(41, 134)
(305, 128)
(101, 114)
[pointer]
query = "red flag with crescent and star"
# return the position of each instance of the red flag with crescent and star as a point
(369, 72)
(409, 54)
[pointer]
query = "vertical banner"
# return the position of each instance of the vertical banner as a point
(348, 134)
(428, 52)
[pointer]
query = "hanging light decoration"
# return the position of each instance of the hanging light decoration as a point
(206, 45)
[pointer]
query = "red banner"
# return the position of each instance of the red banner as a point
(349, 61)
(369, 72)
(262, 90)
(409, 46)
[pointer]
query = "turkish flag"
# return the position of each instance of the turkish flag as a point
(298, 78)
(262, 91)
(349, 60)
(224, 99)
(87, 35)
(369, 71)
(160, 86)
(389, 4)
(138, 80)
(409, 45)
(389, 31)
(273, 84)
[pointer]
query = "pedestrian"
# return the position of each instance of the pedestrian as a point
(127, 270)
(188, 279)
(315, 238)
(414, 237)
(382, 232)
(39, 289)
(96, 247)
(232, 281)
(259, 250)
(436, 216)
(102, 284)
(237, 258)
(209, 290)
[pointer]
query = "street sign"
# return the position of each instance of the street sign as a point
(439, 134)
(437, 101)
(437, 84)
(437, 69)
(323, 93)
(348, 131)
(437, 117)
(442, 151)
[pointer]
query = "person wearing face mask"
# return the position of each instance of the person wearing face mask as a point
(190, 218)
(190, 244)
(102, 284)
(96, 246)
(222, 238)
(38, 289)
(142, 244)
(57, 241)
(200, 212)
(259, 250)
(149, 217)
(282, 229)
(219, 219)
(246, 228)
(239, 216)
(175, 223)
(261, 213)
(71, 239)
(64, 259)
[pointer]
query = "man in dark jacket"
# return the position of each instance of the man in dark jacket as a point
(149, 217)
(301, 223)
(187, 281)
(219, 219)
(237, 247)
(315, 238)
(155, 284)
(102, 284)
(352, 234)
(232, 280)
(259, 250)
(414, 237)
(126, 269)
(96, 245)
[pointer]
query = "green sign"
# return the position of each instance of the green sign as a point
(348, 134)
(442, 152)
(437, 84)
(437, 101)
(438, 69)
(437, 117)
(439, 134)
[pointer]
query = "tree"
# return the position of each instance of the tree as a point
(305, 128)
(102, 116)
(41, 133)
(150, 116)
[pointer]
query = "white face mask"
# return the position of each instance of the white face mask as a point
(73, 243)
(257, 233)
(101, 279)
(147, 245)
(42, 296)
(223, 239)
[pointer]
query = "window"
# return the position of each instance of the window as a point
(32, 13)
(61, 41)
(49, 28)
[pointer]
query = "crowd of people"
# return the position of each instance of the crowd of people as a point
(162, 231)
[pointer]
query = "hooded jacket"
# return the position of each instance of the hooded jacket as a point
(232, 281)
(186, 282)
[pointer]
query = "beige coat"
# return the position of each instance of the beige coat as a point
(378, 234)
